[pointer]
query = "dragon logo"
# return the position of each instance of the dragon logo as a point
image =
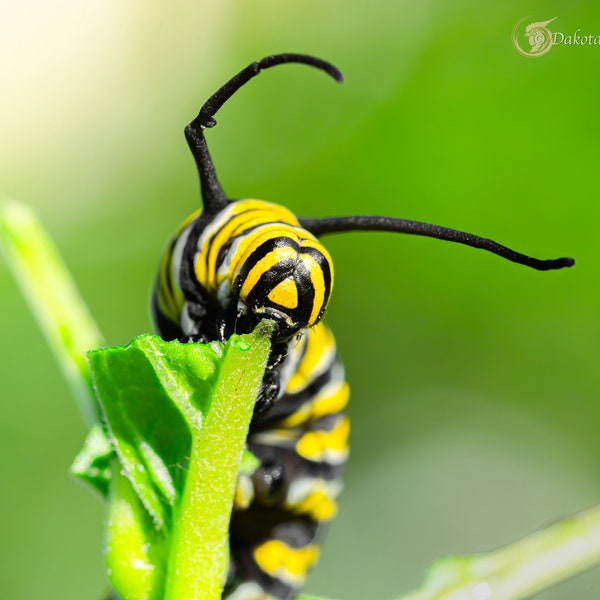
(537, 34)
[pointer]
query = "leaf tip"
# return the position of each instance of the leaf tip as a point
(265, 328)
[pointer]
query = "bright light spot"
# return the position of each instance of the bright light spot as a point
(141, 565)
(482, 591)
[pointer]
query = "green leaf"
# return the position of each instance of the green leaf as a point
(249, 463)
(93, 463)
(153, 393)
(178, 416)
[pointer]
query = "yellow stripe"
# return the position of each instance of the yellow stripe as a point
(285, 294)
(279, 438)
(277, 211)
(263, 265)
(320, 347)
(201, 266)
(288, 564)
(316, 274)
(319, 505)
(193, 216)
(229, 223)
(321, 406)
(236, 226)
(244, 492)
(331, 403)
(300, 416)
(329, 445)
(169, 304)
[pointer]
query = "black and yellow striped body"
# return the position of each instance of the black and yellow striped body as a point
(221, 274)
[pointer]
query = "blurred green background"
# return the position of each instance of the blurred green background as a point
(475, 414)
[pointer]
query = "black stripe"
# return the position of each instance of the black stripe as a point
(249, 529)
(227, 245)
(264, 249)
(192, 290)
(211, 240)
(293, 465)
(167, 329)
(325, 267)
(259, 524)
(166, 275)
(288, 404)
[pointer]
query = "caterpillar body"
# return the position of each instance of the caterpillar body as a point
(231, 264)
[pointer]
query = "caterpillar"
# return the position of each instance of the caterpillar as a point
(233, 263)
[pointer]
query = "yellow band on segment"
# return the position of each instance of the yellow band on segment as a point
(319, 505)
(276, 212)
(170, 296)
(324, 405)
(316, 273)
(205, 272)
(234, 221)
(318, 281)
(331, 403)
(244, 492)
(263, 265)
(320, 347)
(253, 214)
(289, 564)
(285, 294)
(332, 444)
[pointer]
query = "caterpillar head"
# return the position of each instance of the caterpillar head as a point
(283, 274)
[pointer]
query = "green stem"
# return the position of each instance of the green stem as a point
(54, 299)
(199, 547)
(519, 570)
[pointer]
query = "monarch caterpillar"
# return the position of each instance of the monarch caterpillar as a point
(233, 263)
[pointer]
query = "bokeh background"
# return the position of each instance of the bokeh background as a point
(475, 381)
